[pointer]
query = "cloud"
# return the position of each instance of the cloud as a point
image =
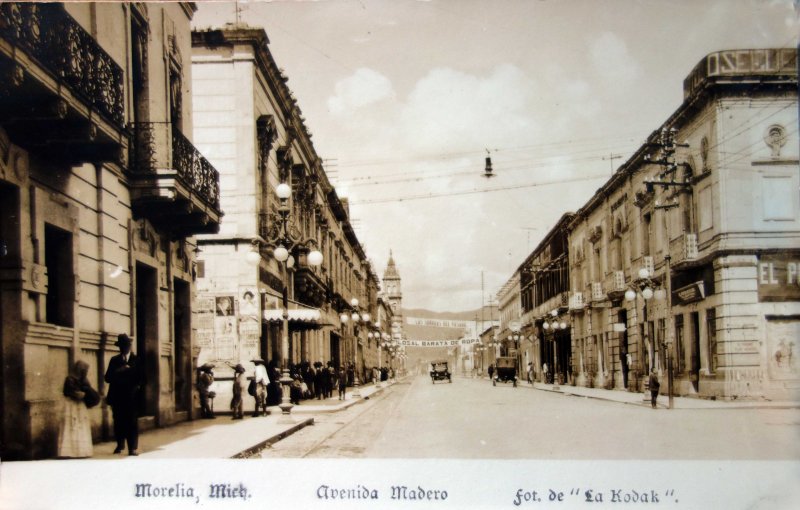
(450, 108)
(443, 245)
(612, 61)
(362, 88)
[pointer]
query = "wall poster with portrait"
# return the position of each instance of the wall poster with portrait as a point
(249, 322)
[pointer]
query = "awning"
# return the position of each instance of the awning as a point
(304, 317)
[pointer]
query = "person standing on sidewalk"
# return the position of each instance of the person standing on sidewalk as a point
(654, 387)
(239, 380)
(319, 380)
(342, 380)
(205, 378)
(75, 432)
(262, 380)
(124, 379)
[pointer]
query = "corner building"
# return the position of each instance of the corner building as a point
(709, 207)
(249, 122)
(101, 191)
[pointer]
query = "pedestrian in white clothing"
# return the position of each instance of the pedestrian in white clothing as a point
(262, 380)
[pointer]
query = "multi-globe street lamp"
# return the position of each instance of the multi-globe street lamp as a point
(645, 287)
(285, 241)
(357, 318)
(554, 323)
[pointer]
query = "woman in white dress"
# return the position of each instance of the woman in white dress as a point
(75, 433)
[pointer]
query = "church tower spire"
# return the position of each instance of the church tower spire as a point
(391, 285)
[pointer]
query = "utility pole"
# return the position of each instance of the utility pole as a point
(667, 179)
(611, 157)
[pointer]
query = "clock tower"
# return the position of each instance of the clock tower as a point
(394, 296)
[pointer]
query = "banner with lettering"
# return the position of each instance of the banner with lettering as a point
(439, 343)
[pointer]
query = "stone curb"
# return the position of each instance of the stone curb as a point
(298, 426)
(274, 439)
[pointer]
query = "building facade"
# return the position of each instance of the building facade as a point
(249, 121)
(544, 300)
(101, 192)
(685, 258)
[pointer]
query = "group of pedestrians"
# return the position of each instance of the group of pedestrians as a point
(125, 379)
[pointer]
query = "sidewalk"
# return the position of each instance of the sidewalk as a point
(626, 397)
(224, 438)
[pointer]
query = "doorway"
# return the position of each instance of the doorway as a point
(622, 317)
(182, 352)
(147, 336)
(9, 314)
(694, 320)
(335, 355)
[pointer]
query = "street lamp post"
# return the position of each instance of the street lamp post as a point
(357, 318)
(643, 286)
(285, 242)
(554, 324)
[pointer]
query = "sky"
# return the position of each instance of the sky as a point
(406, 98)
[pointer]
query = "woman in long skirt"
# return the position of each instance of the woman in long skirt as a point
(75, 433)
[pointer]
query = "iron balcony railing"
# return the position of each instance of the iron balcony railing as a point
(150, 153)
(53, 39)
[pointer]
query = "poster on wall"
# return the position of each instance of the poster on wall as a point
(782, 349)
(225, 337)
(224, 306)
(249, 304)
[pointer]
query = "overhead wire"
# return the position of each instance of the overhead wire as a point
(476, 191)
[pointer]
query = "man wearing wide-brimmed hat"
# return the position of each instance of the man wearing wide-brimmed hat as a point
(239, 381)
(262, 380)
(124, 378)
(205, 378)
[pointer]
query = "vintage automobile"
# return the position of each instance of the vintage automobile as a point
(439, 371)
(505, 370)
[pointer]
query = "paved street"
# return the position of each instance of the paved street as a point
(472, 419)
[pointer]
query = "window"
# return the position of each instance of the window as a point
(704, 204)
(711, 331)
(778, 198)
(645, 229)
(679, 348)
(661, 343)
(60, 276)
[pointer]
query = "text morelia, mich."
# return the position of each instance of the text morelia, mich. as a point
(180, 490)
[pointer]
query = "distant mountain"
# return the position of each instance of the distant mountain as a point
(489, 312)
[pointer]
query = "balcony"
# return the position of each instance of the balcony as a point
(649, 263)
(684, 248)
(616, 286)
(61, 94)
(576, 301)
(309, 288)
(172, 184)
(597, 291)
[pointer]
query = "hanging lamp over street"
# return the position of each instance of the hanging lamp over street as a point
(487, 171)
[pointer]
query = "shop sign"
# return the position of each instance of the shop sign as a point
(778, 278)
(689, 294)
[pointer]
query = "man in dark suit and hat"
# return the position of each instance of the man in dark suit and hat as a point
(124, 379)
